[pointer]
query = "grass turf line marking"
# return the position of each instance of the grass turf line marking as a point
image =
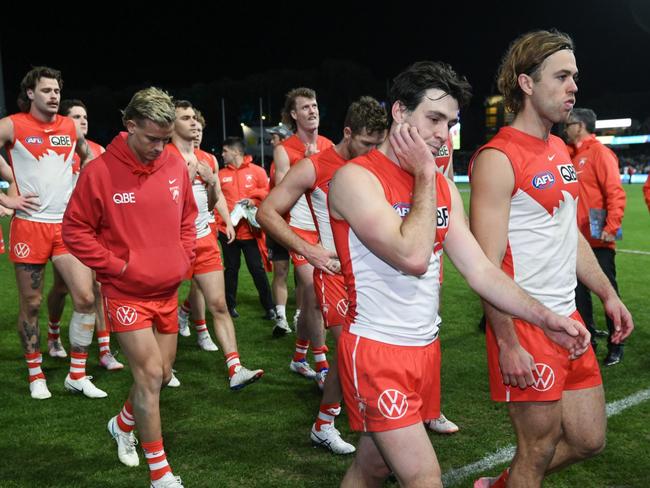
(503, 455)
(632, 251)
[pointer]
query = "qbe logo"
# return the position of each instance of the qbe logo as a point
(126, 197)
(21, 250)
(543, 180)
(126, 315)
(543, 377)
(568, 173)
(402, 208)
(393, 404)
(60, 141)
(442, 217)
(443, 152)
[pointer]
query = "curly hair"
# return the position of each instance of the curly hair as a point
(366, 113)
(31, 79)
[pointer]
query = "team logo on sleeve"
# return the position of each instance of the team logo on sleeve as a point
(393, 404)
(568, 173)
(61, 141)
(176, 192)
(442, 217)
(543, 377)
(543, 180)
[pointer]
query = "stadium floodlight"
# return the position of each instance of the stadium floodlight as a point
(613, 123)
(624, 140)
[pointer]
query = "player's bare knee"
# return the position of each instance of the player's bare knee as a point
(590, 446)
(84, 302)
(217, 306)
(150, 377)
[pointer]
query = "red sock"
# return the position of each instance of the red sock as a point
(156, 458)
(232, 361)
(186, 307)
(301, 350)
(104, 341)
(200, 326)
(320, 357)
(327, 413)
(34, 360)
(503, 479)
(53, 328)
(126, 420)
(78, 365)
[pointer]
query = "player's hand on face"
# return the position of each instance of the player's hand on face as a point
(621, 317)
(412, 152)
(516, 366)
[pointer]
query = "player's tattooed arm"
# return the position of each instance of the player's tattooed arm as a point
(82, 149)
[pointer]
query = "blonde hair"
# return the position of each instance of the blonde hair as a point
(526, 55)
(151, 104)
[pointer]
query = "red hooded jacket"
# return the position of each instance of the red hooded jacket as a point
(123, 211)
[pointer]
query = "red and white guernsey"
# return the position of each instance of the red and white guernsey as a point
(41, 157)
(200, 191)
(209, 159)
(300, 215)
(387, 305)
(542, 231)
(444, 156)
(325, 164)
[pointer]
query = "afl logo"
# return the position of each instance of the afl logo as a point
(21, 250)
(34, 140)
(126, 315)
(543, 180)
(402, 208)
(543, 377)
(393, 404)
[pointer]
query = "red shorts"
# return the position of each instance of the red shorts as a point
(311, 236)
(213, 228)
(208, 256)
(34, 242)
(387, 387)
(332, 297)
(127, 315)
(554, 371)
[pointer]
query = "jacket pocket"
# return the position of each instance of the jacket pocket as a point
(154, 271)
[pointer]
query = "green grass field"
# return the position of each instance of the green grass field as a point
(260, 435)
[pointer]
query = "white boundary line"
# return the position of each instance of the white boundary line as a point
(505, 454)
(632, 251)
